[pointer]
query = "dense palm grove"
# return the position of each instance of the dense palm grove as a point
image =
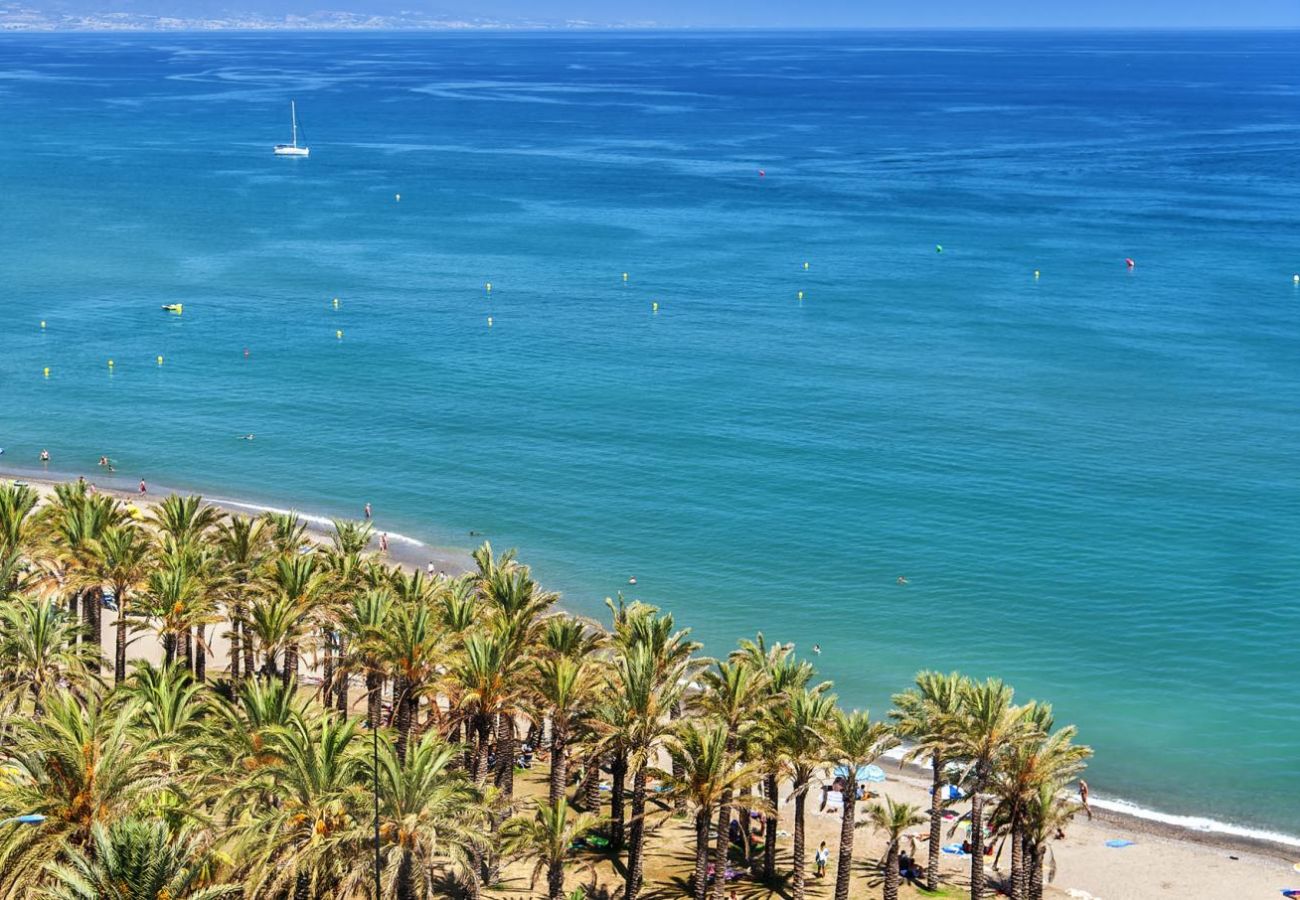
(253, 775)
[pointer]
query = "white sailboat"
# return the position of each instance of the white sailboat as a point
(292, 149)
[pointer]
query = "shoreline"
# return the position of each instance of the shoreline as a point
(412, 553)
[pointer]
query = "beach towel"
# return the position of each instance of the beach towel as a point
(1119, 842)
(834, 798)
(1293, 893)
(955, 850)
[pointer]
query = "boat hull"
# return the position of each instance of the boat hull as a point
(287, 150)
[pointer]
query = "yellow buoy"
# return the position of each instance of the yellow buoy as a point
(397, 198)
(805, 267)
(339, 335)
(1295, 279)
(160, 360)
(42, 324)
(489, 321)
(1036, 273)
(654, 307)
(336, 302)
(801, 295)
(625, 276)
(110, 364)
(489, 287)
(47, 371)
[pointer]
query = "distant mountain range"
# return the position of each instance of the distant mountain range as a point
(146, 15)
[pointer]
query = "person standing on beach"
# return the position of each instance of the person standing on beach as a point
(144, 489)
(1083, 798)
(383, 542)
(820, 858)
(367, 511)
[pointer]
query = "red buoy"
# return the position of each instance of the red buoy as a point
(762, 173)
(1128, 261)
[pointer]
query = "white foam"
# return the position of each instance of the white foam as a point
(1194, 823)
(324, 522)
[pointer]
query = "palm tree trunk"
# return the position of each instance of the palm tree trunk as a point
(679, 772)
(636, 846)
(250, 658)
(721, 845)
(72, 609)
(405, 878)
(700, 878)
(401, 688)
(119, 652)
(505, 774)
(555, 880)
(201, 655)
(1017, 866)
(169, 648)
(93, 609)
(844, 864)
(618, 772)
(773, 790)
(327, 671)
(976, 845)
(800, 838)
(891, 872)
(289, 673)
(742, 813)
(483, 725)
(187, 649)
(559, 765)
(341, 686)
(936, 823)
(374, 698)
(236, 637)
(587, 795)
(1036, 856)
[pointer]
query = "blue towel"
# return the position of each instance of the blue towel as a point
(955, 850)
(1119, 842)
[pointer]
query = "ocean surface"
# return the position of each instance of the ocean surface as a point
(1088, 477)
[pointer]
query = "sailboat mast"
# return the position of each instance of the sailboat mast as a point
(293, 113)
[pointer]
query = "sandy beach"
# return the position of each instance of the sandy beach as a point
(1161, 861)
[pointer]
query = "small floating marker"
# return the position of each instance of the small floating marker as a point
(1295, 279)
(42, 324)
(245, 353)
(489, 321)
(1036, 273)
(805, 267)
(1128, 261)
(46, 371)
(762, 173)
(654, 307)
(339, 335)
(489, 287)
(625, 276)
(110, 364)
(397, 198)
(801, 295)
(336, 302)
(160, 360)
(938, 248)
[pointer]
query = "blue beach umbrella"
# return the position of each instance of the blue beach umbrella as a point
(865, 773)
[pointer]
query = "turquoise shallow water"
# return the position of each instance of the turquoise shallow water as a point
(1088, 478)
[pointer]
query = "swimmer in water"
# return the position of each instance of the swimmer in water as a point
(367, 510)
(45, 456)
(103, 461)
(902, 579)
(632, 580)
(246, 437)
(817, 649)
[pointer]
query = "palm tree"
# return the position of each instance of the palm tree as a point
(244, 545)
(1046, 815)
(173, 602)
(430, 815)
(123, 559)
(710, 772)
(38, 652)
(893, 819)
(800, 730)
(294, 588)
(564, 686)
(926, 715)
(294, 846)
(412, 654)
(854, 742)
(735, 695)
(18, 536)
(1039, 757)
(989, 725)
(78, 766)
(548, 837)
(133, 859)
(642, 695)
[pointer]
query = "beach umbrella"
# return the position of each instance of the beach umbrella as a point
(865, 773)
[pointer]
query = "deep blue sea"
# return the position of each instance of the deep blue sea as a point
(1088, 478)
